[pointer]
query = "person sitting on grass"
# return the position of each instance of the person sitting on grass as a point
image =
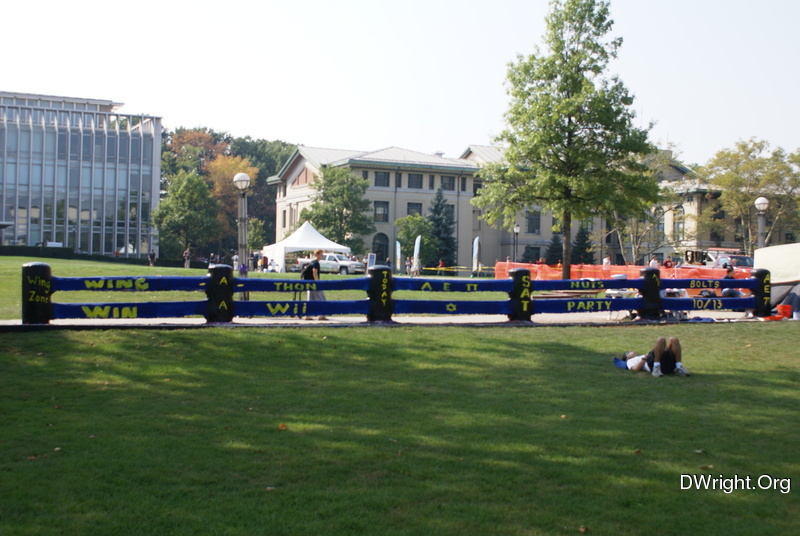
(664, 358)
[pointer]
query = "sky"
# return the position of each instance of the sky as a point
(426, 75)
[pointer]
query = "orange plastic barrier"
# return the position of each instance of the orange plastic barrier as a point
(595, 271)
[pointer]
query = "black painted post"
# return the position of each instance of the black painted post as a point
(763, 292)
(37, 288)
(220, 294)
(521, 304)
(379, 292)
(651, 294)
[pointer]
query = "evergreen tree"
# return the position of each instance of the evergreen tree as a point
(554, 250)
(582, 247)
(528, 256)
(443, 229)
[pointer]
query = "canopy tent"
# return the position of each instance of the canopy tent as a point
(306, 238)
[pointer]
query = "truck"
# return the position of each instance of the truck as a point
(720, 258)
(334, 263)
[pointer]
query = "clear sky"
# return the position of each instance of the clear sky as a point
(423, 75)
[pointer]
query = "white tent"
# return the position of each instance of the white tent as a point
(783, 263)
(306, 238)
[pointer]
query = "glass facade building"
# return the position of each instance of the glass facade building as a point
(77, 173)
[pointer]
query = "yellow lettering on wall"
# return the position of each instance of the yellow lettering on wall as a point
(278, 308)
(96, 311)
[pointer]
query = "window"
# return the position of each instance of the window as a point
(414, 208)
(588, 225)
(431, 181)
(718, 222)
(448, 182)
(476, 220)
(463, 184)
(415, 181)
(678, 219)
(380, 245)
(398, 180)
(533, 222)
(381, 210)
(382, 178)
(365, 174)
(450, 211)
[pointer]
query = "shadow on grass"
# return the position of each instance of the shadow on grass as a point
(393, 431)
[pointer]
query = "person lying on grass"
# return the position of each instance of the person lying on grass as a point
(664, 358)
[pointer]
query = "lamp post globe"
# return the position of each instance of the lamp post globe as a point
(241, 181)
(761, 204)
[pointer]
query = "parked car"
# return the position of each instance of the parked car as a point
(334, 263)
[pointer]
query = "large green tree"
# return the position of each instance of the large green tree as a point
(187, 216)
(570, 143)
(440, 214)
(750, 170)
(339, 210)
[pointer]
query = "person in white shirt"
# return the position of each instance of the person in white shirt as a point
(664, 358)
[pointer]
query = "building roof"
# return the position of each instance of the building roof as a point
(56, 98)
(406, 158)
(483, 154)
(325, 157)
(388, 158)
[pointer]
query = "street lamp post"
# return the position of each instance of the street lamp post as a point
(242, 183)
(761, 204)
(516, 240)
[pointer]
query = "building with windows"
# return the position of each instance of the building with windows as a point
(403, 182)
(78, 173)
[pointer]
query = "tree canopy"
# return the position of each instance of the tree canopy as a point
(339, 210)
(750, 170)
(408, 229)
(187, 217)
(217, 157)
(570, 144)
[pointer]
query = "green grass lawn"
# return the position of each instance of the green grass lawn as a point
(403, 430)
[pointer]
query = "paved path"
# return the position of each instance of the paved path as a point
(600, 318)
